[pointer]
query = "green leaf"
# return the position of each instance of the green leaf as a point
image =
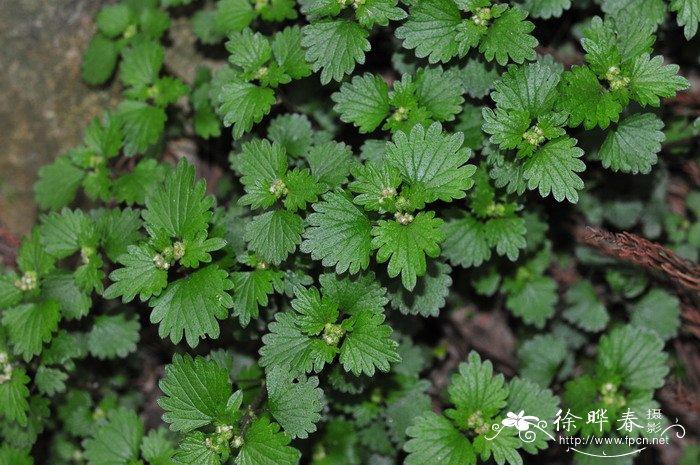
(433, 162)
(368, 344)
(688, 15)
(113, 336)
(286, 345)
(13, 397)
(33, 257)
(12, 456)
(157, 448)
(10, 294)
(475, 388)
(117, 441)
(63, 234)
(29, 326)
(330, 162)
(354, 294)
(264, 444)
(251, 291)
(584, 309)
(195, 392)
(193, 449)
(586, 100)
(634, 356)
(508, 38)
(339, 234)
(142, 125)
(531, 88)
(293, 132)
(439, 93)
(288, 52)
(546, 9)
(469, 241)
(233, 16)
(431, 30)
(192, 305)
(243, 104)
(378, 12)
(134, 187)
(180, 208)
(405, 246)
(553, 167)
(58, 183)
(74, 303)
(119, 229)
(633, 145)
(658, 311)
(50, 381)
(526, 396)
(652, 11)
(261, 165)
(141, 63)
(295, 405)
(274, 235)
(541, 358)
(112, 20)
(334, 47)
(363, 102)
(532, 299)
(651, 79)
(428, 297)
(436, 441)
(99, 61)
(138, 276)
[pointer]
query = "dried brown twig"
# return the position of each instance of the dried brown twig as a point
(633, 249)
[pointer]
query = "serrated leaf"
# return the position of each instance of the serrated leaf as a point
(688, 15)
(134, 187)
(138, 276)
(334, 47)
(330, 162)
(633, 145)
(354, 294)
(584, 309)
(526, 396)
(428, 297)
(195, 392)
(546, 9)
(30, 326)
(141, 63)
(293, 132)
(74, 303)
(658, 311)
(58, 183)
(274, 235)
(436, 441)
(63, 234)
(113, 336)
(288, 52)
(586, 100)
(251, 290)
(50, 381)
(264, 444)
(541, 358)
(180, 207)
(117, 441)
(476, 388)
(651, 79)
(295, 405)
(286, 345)
(508, 38)
(634, 356)
(405, 246)
(553, 169)
(192, 305)
(243, 104)
(13, 397)
(368, 344)
(431, 29)
(142, 125)
(339, 234)
(363, 102)
(193, 450)
(532, 299)
(433, 162)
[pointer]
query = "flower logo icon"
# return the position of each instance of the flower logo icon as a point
(520, 421)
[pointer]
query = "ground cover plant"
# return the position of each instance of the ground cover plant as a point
(431, 232)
